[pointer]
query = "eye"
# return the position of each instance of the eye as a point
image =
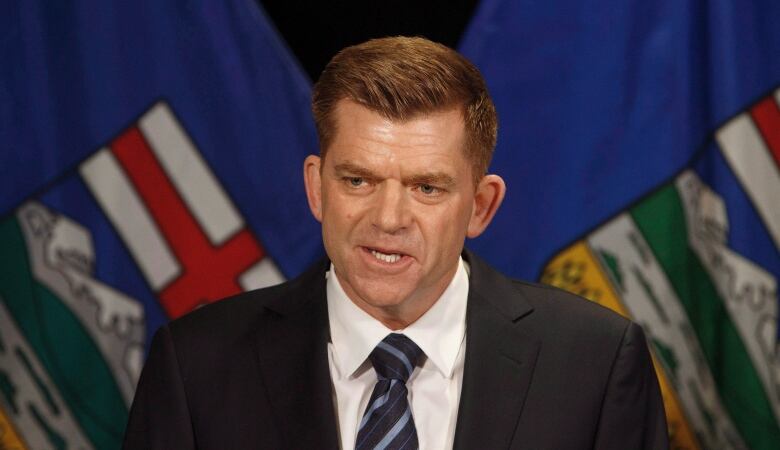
(427, 189)
(355, 181)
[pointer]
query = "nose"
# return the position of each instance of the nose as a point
(391, 210)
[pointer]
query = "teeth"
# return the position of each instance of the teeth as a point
(385, 257)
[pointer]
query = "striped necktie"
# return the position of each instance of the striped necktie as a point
(387, 422)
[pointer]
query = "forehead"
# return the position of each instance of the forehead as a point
(363, 135)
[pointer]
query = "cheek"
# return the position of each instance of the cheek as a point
(438, 227)
(349, 210)
(446, 229)
(341, 220)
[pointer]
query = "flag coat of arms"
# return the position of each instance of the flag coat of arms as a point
(709, 310)
(639, 142)
(132, 199)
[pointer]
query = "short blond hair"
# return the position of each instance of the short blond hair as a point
(402, 78)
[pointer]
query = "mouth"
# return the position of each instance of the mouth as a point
(386, 256)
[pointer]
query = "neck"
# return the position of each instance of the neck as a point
(394, 320)
(402, 313)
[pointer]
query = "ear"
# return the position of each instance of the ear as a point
(488, 197)
(313, 182)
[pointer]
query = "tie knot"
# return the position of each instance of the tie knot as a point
(395, 357)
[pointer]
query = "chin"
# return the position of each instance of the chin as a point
(383, 300)
(381, 294)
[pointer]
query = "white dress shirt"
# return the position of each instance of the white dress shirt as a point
(434, 386)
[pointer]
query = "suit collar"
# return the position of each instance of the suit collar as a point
(300, 294)
(500, 360)
(291, 345)
(495, 289)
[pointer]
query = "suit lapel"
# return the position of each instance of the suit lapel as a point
(292, 350)
(500, 360)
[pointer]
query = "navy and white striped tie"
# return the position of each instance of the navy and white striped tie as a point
(387, 422)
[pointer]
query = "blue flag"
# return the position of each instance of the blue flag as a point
(640, 142)
(151, 162)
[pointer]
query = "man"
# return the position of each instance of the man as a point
(402, 339)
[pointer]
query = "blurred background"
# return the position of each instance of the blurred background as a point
(151, 154)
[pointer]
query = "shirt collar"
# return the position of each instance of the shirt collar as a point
(439, 332)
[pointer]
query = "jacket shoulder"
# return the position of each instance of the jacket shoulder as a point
(557, 304)
(545, 309)
(571, 324)
(230, 318)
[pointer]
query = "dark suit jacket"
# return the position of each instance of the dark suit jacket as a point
(544, 370)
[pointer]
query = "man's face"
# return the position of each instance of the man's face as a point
(395, 201)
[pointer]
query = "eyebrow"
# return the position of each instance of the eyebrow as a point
(434, 178)
(354, 170)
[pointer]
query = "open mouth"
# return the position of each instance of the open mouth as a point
(386, 255)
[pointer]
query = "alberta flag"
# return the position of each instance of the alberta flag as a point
(640, 142)
(709, 310)
(150, 160)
